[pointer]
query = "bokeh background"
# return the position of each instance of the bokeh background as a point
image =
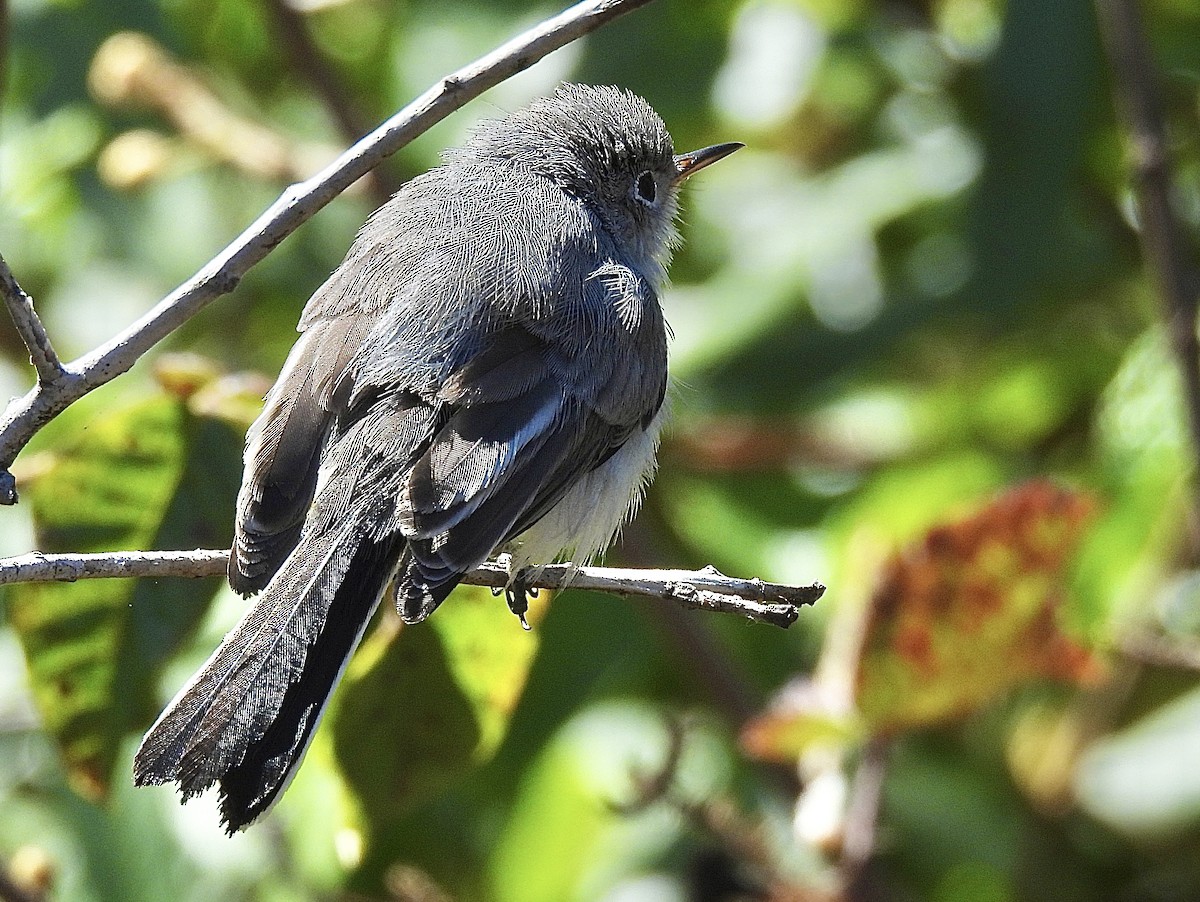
(917, 358)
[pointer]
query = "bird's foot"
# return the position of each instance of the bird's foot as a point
(518, 592)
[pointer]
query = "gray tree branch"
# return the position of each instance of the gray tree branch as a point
(706, 590)
(48, 398)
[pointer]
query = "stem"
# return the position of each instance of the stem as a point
(1164, 241)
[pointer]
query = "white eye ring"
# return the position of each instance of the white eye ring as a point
(645, 189)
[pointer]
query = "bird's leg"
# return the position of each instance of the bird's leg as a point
(518, 592)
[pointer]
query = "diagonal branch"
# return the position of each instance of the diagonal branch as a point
(30, 328)
(1164, 242)
(706, 590)
(25, 416)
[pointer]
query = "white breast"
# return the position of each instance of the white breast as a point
(590, 515)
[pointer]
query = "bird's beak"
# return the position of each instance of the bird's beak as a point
(694, 161)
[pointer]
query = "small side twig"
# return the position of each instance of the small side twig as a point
(25, 416)
(30, 328)
(1164, 240)
(656, 785)
(306, 61)
(738, 838)
(705, 589)
(1158, 650)
(861, 826)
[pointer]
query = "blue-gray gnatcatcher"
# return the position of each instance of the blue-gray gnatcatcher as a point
(484, 372)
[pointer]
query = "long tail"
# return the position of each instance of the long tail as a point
(245, 720)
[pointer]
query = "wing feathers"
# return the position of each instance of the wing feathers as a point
(283, 451)
(474, 454)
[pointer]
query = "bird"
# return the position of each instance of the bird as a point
(484, 373)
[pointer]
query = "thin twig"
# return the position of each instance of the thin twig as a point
(307, 61)
(657, 785)
(705, 590)
(25, 416)
(30, 328)
(861, 826)
(742, 840)
(1164, 240)
(1156, 649)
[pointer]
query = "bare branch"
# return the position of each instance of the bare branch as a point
(37, 567)
(706, 590)
(30, 328)
(25, 416)
(1164, 240)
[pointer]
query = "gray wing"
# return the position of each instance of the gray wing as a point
(283, 451)
(383, 274)
(509, 454)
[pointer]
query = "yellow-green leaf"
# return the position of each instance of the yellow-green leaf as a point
(151, 475)
(422, 705)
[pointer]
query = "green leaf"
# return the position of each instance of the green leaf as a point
(152, 475)
(1144, 460)
(423, 705)
(565, 834)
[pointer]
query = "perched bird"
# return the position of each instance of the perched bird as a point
(484, 372)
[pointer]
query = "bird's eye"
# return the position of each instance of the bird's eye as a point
(646, 188)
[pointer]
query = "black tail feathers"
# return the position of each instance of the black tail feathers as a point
(245, 720)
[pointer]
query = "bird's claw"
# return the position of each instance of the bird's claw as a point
(517, 593)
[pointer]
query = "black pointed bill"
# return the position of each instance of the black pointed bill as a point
(692, 162)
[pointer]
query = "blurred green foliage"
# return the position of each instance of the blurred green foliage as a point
(919, 284)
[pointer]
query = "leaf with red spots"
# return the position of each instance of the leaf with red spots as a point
(972, 610)
(956, 619)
